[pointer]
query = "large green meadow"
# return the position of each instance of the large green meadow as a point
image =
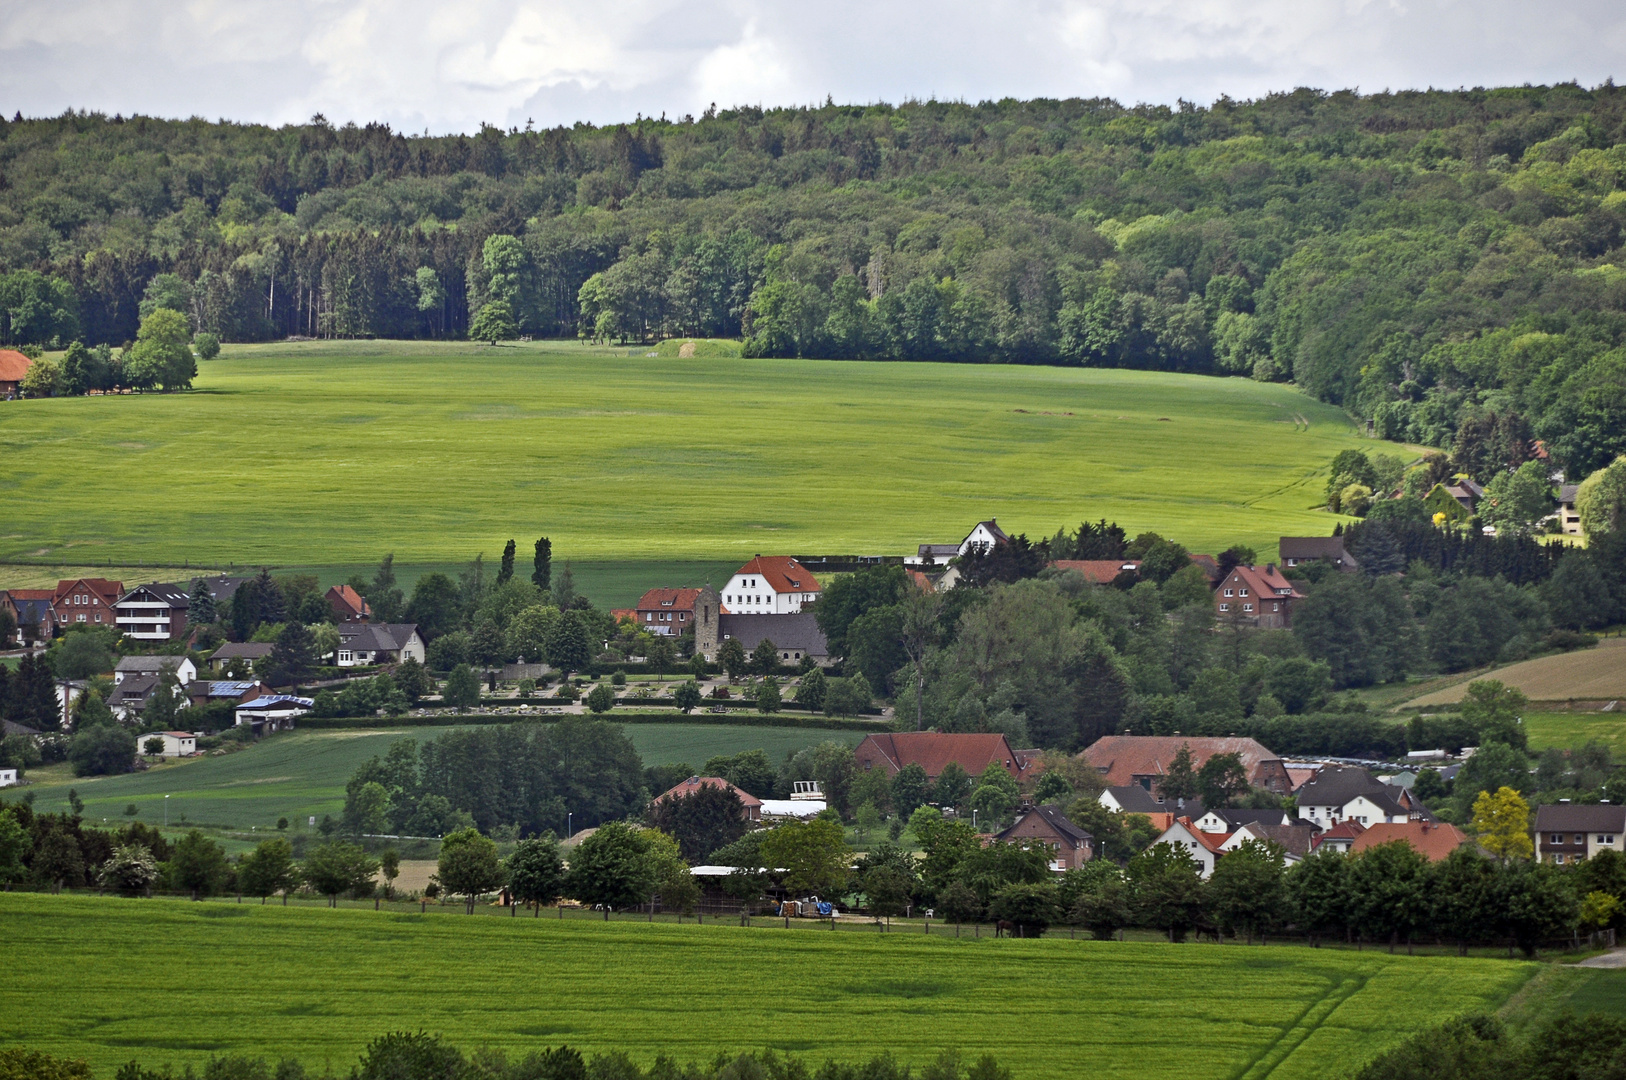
(302, 774)
(171, 981)
(333, 453)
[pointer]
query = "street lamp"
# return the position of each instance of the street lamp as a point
(569, 819)
(166, 811)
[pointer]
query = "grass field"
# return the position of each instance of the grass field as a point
(170, 981)
(1566, 730)
(336, 452)
(302, 774)
(1586, 674)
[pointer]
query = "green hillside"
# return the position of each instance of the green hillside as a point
(170, 981)
(338, 452)
(303, 774)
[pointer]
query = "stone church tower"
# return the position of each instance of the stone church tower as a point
(707, 623)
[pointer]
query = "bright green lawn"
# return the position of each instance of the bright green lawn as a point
(1571, 729)
(170, 981)
(302, 774)
(336, 452)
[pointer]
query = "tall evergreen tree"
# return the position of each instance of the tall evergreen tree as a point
(201, 607)
(542, 572)
(505, 573)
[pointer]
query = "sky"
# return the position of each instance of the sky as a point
(450, 66)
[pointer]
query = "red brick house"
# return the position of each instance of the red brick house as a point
(13, 366)
(1070, 846)
(1260, 595)
(347, 605)
(1141, 759)
(974, 752)
(667, 612)
(753, 805)
(86, 600)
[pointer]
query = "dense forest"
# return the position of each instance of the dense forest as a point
(1425, 259)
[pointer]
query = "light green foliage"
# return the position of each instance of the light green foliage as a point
(813, 854)
(161, 356)
(613, 867)
(1601, 499)
(493, 323)
(879, 425)
(1515, 501)
(43, 379)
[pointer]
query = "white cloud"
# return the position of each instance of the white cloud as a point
(415, 63)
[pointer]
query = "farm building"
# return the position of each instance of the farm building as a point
(176, 743)
(795, 636)
(974, 752)
(984, 536)
(1141, 759)
(1307, 549)
(8, 777)
(13, 367)
(273, 712)
(752, 804)
(770, 585)
(1070, 846)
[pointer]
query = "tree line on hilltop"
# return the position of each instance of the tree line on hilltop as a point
(1428, 260)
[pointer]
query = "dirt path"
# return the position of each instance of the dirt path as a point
(1616, 959)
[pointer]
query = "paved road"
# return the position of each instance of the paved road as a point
(1616, 959)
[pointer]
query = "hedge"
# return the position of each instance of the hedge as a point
(754, 719)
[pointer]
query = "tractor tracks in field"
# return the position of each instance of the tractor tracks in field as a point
(1301, 1028)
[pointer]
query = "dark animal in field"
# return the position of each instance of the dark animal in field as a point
(1003, 927)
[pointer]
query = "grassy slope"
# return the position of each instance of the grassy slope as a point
(1571, 729)
(303, 774)
(1598, 672)
(338, 452)
(99, 978)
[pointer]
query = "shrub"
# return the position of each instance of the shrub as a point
(207, 346)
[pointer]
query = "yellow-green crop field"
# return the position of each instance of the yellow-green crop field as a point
(171, 981)
(333, 453)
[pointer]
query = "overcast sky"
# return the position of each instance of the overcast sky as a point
(449, 66)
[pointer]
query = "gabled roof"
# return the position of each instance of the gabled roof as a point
(13, 365)
(149, 663)
(1345, 830)
(1121, 758)
(242, 650)
(669, 600)
(134, 689)
(798, 631)
(1266, 581)
(1567, 492)
(932, 750)
(163, 592)
(376, 637)
(11, 727)
(1581, 817)
(1295, 839)
(350, 598)
(1235, 818)
(781, 573)
(1135, 799)
(100, 586)
(1099, 571)
(1213, 841)
(993, 529)
(226, 689)
(695, 783)
(1316, 547)
(179, 734)
(1207, 564)
(1336, 785)
(1432, 840)
(1052, 816)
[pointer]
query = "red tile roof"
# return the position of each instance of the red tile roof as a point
(1433, 840)
(782, 573)
(1100, 571)
(33, 594)
(695, 783)
(13, 365)
(1348, 829)
(1212, 841)
(627, 613)
(974, 752)
(1121, 758)
(350, 598)
(1265, 581)
(668, 600)
(109, 591)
